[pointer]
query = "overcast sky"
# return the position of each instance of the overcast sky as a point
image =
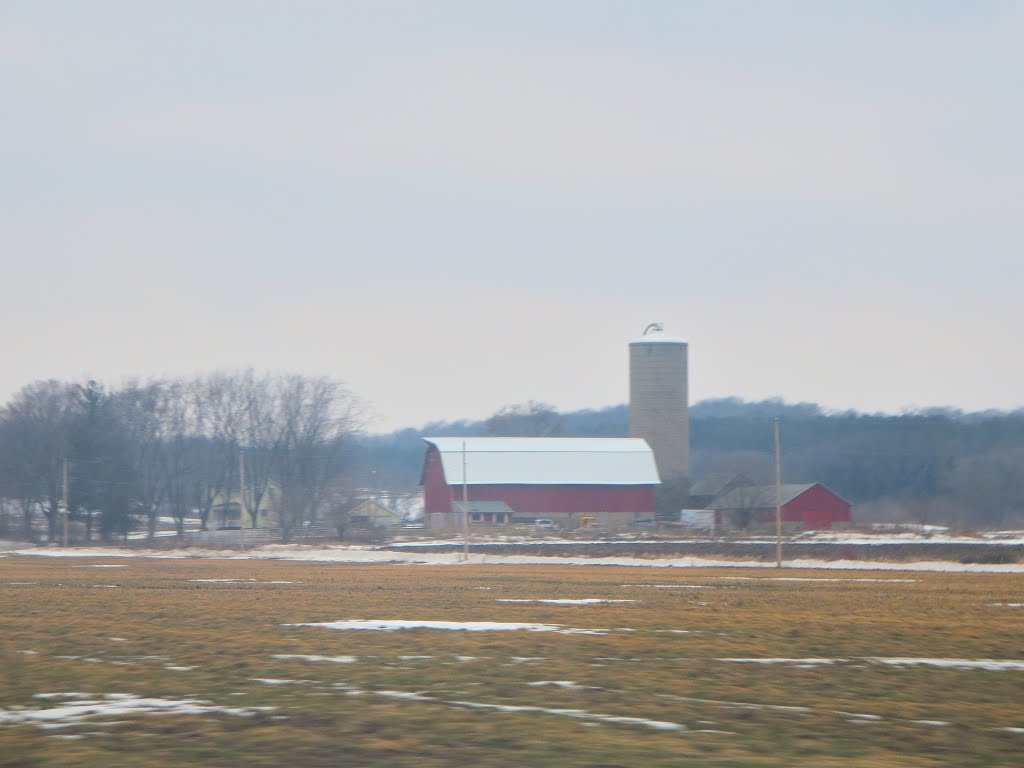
(458, 205)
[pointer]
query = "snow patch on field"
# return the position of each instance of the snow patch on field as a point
(391, 625)
(565, 684)
(562, 601)
(808, 578)
(994, 665)
(811, 662)
(577, 714)
(354, 554)
(241, 581)
(305, 657)
(81, 708)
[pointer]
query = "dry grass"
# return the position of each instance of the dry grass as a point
(229, 632)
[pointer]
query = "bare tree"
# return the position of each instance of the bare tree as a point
(314, 418)
(217, 406)
(143, 411)
(34, 436)
(341, 496)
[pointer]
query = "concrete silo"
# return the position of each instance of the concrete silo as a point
(659, 400)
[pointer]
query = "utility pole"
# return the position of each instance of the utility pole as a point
(778, 499)
(65, 484)
(465, 507)
(241, 488)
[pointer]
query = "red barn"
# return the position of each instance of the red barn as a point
(564, 479)
(811, 506)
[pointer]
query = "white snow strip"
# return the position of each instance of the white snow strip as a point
(859, 716)
(579, 714)
(1008, 605)
(806, 578)
(737, 704)
(801, 662)
(812, 537)
(937, 723)
(1014, 730)
(390, 625)
(241, 581)
(304, 657)
(114, 705)
(175, 668)
(353, 554)
(405, 695)
(274, 681)
(995, 665)
(581, 601)
(567, 684)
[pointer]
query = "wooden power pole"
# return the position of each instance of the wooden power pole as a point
(778, 499)
(241, 488)
(465, 506)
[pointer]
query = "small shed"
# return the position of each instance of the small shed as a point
(811, 506)
(710, 487)
(373, 514)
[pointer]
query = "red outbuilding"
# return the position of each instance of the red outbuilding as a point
(569, 480)
(812, 506)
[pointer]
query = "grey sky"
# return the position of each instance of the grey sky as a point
(457, 205)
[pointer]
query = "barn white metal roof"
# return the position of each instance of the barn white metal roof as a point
(547, 460)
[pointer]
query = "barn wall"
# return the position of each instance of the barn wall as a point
(556, 499)
(437, 496)
(816, 508)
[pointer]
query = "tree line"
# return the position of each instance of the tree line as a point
(175, 448)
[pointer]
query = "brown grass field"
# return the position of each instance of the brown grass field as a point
(221, 639)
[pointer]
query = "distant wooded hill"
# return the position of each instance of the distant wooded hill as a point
(936, 466)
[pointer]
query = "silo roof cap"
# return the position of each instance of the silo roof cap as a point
(658, 337)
